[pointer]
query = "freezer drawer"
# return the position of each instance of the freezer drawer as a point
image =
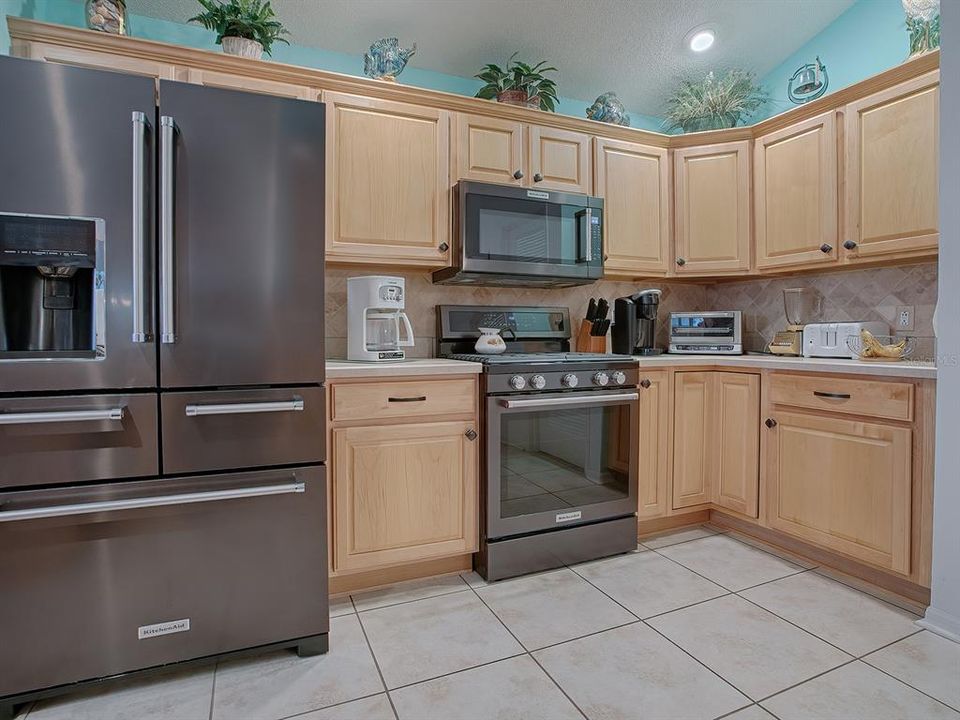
(77, 438)
(225, 429)
(158, 571)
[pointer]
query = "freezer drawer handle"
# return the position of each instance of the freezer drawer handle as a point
(149, 502)
(168, 332)
(55, 416)
(570, 401)
(241, 408)
(141, 321)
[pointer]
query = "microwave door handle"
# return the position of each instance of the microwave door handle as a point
(408, 328)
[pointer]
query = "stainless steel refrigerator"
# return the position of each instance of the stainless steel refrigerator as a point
(162, 439)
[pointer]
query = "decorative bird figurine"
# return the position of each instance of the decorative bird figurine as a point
(386, 59)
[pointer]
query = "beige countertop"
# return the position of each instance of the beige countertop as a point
(902, 369)
(434, 366)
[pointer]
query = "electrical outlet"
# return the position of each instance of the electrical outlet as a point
(904, 318)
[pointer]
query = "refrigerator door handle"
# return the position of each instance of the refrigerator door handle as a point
(241, 408)
(142, 332)
(168, 332)
(56, 416)
(54, 511)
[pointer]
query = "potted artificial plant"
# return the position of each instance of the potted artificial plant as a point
(244, 27)
(714, 102)
(519, 84)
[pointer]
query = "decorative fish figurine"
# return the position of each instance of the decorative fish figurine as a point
(609, 109)
(386, 59)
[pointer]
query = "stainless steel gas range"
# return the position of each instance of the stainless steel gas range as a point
(559, 462)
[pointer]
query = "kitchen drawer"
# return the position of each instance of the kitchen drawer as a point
(77, 438)
(418, 398)
(226, 429)
(893, 400)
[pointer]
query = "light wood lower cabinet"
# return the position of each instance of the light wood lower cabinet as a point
(736, 435)
(842, 484)
(403, 493)
(692, 407)
(654, 456)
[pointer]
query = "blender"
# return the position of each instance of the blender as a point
(801, 306)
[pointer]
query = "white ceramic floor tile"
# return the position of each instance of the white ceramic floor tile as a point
(340, 606)
(428, 638)
(856, 692)
(728, 562)
(282, 684)
(552, 607)
(773, 550)
(754, 712)
(513, 688)
(752, 649)
(632, 672)
(673, 537)
(179, 695)
(474, 579)
(926, 661)
(648, 584)
(370, 708)
(407, 591)
(847, 618)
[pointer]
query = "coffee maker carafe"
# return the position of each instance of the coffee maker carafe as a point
(635, 324)
(374, 313)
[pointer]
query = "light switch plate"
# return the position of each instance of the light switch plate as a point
(904, 317)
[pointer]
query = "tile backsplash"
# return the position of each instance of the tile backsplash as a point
(870, 294)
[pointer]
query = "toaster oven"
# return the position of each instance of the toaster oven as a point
(717, 332)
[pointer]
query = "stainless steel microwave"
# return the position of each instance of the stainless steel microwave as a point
(506, 235)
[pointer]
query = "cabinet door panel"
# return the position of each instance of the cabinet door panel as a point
(633, 181)
(795, 177)
(654, 459)
(211, 78)
(93, 59)
(387, 180)
(736, 434)
(403, 493)
(842, 484)
(691, 444)
(562, 157)
(489, 149)
(892, 145)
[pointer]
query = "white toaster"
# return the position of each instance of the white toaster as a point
(829, 340)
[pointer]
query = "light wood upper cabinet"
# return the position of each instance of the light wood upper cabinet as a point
(559, 160)
(388, 194)
(212, 78)
(842, 484)
(712, 199)
(403, 493)
(892, 164)
(489, 149)
(654, 439)
(81, 57)
(634, 182)
(795, 194)
(735, 432)
(692, 448)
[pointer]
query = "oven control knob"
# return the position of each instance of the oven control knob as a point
(569, 380)
(538, 382)
(601, 379)
(619, 377)
(517, 382)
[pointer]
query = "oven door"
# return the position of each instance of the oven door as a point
(516, 231)
(559, 460)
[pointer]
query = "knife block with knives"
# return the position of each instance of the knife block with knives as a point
(593, 328)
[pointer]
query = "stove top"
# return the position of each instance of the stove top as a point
(537, 357)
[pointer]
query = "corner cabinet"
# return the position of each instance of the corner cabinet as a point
(892, 163)
(692, 408)
(654, 439)
(388, 191)
(712, 198)
(634, 182)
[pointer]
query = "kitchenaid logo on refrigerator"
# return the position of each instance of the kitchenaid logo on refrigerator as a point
(164, 628)
(568, 516)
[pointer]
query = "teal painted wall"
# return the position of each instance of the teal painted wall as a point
(868, 38)
(70, 12)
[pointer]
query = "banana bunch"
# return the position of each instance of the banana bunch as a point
(873, 348)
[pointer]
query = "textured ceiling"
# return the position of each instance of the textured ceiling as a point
(635, 47)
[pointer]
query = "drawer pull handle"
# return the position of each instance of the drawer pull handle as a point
(52, 511)
(244, 408)
(834, 396)
(55, 416)
(418, 398)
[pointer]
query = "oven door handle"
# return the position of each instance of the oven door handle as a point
(580, 401)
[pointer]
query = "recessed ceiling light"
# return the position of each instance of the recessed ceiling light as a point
(701, 40)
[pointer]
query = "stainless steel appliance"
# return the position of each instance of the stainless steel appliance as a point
(801, 306)
(507, 235)
(375, 306)
(829, 340)
(635, 324)
(717, 332)
(152, 286)
(559, 460)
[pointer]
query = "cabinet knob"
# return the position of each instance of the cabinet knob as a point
(471, 434)
(444, 247)
(518, 174)
(645, 383)
(770, 423)
(538, 177)
(826, 248)
(681, 261)
(849, 244)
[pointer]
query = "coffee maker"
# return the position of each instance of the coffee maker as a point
(374, 313)
(635, 324)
